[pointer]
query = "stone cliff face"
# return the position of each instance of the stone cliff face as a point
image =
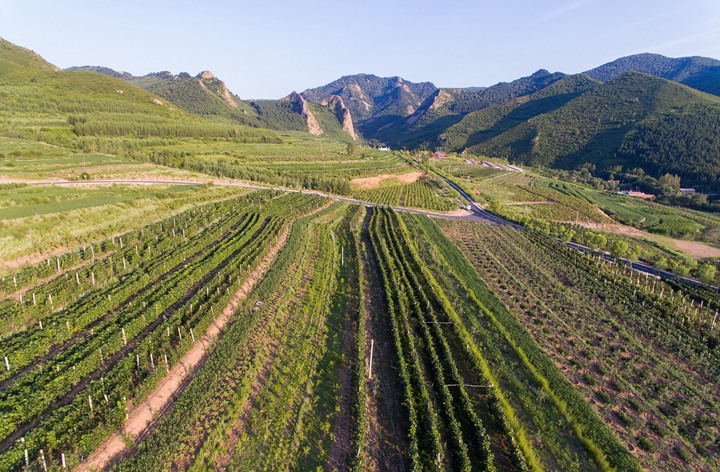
(368, 96)
(434, 102)
(206, 78)
(305, 112)
(343, 115)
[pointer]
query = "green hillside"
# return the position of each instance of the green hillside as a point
(109, 119)
(702, 73)
(278, 115)
(634, 120)
(207, 96)
(482, 125)
(18, 62)
(61, 107)
(446, 107)
(204, 95)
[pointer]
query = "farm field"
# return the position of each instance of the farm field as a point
(523, 194)
(131, 299)
(38, 222)
(677, 239)
(129, 317)
(25, 160)
(303, 290)
(427, 193)
(641, 351)
(185, 291)
(536, 196)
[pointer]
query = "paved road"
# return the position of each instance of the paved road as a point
(639, 266)
(478, 210)
(645, 268)
(470, 216)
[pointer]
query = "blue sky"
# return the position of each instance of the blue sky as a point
(268, 48)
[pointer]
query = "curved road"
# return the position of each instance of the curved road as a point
(478, 210)
(479, 215)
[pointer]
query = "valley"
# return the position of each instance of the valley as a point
(374, 274)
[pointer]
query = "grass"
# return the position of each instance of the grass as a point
(28, 160)
(659, 219)
(39, 221)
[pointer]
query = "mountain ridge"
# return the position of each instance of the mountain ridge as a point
(633, 120)
(206, 95)
(611, 115)
(684, 70)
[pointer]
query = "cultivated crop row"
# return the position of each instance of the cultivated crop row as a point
(596, 320)
(90, 385)
(531, 388)
(274, 338)
(446, 429)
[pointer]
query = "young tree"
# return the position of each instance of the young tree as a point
(707, 273)
(670, 180)
(619, 248)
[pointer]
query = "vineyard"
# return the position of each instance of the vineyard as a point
(181, 291)
(274, 330)
(425, 193)
(643, 353)
(103, 340)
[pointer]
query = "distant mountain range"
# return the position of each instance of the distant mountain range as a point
(207, 96)
(646, 111)
(649, 111)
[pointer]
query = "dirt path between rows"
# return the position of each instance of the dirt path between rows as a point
(343, 420)
(386, 446)
(143, 414)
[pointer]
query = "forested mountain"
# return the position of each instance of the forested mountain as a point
(631, 112)
(634, 120)
(208, 96)
(702, 73)
(445, 107)
(203, 94)
(481, 125)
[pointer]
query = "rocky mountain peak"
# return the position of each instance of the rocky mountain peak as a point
(343, 115)
(305, 112)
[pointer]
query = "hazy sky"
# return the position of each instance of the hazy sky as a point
(268, 48)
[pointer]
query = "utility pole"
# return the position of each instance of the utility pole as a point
(372, 345)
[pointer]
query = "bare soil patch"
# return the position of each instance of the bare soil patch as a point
(616, 228)
(697, 250)
(694, 249)
(367, 183)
